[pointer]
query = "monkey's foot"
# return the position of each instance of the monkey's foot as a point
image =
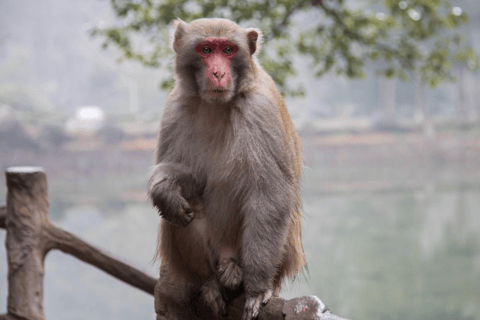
(230, 274)
(252, 305)
(212, 294)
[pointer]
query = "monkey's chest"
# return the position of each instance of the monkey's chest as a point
(214, 150)
(209, 143)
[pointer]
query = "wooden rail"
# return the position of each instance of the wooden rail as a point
(30, 236)
(3, 216)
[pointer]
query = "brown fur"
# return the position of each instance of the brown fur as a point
(226, 180)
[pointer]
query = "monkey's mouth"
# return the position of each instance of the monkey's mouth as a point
(218, 92)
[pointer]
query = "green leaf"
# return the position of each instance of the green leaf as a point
(382, 35)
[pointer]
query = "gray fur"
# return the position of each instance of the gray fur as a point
(232, 156)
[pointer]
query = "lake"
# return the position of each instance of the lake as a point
(382, 242)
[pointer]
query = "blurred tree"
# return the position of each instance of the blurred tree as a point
(14, 136)
(53, 136)
(110, 134)
(395, 37)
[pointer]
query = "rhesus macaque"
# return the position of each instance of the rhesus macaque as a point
(226, 182)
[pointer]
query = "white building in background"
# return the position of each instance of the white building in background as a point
(88, 119)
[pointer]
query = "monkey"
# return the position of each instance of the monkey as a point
(226, 178)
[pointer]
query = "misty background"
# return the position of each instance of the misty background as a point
(391, 186)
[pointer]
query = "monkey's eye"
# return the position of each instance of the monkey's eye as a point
(228, 50)
(206, 50)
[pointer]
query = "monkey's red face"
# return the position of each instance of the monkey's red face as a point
(216, 54)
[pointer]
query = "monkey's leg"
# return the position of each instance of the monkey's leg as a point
(212, 294)
(173, 297)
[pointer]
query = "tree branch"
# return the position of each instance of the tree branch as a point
(302, 308)
(69, 243)
(356, 36)
(283, 24)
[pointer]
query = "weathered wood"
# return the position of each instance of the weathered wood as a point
(27, 213)
(10, 317)
(3, 217)
(302, 308)
(310, 307)
(30, 236)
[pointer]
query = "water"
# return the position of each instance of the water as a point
(386, 253)
(405, 255)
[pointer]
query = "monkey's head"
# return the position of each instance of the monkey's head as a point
(214, 58)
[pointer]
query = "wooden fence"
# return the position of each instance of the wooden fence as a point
(31, 235)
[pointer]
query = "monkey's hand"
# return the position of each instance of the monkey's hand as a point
(252, 305)
(167, 198)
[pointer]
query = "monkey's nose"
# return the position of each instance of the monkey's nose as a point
(218, 75)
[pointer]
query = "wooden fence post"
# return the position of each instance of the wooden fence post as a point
(30, 236)
(27, 212)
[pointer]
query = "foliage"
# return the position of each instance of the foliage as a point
(395, 37)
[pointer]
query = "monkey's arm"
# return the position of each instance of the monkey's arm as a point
(172, 184)
(170, 188)
(267, 210)
(269, 197)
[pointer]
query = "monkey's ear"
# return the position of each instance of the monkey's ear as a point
(179, 31)
(254, 37)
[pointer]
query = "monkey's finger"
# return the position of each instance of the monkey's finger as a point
(186, 214)
(189, 212)
(183, 215)
(249, 305)
(256, 306)
(252, 307)
(266, 296)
